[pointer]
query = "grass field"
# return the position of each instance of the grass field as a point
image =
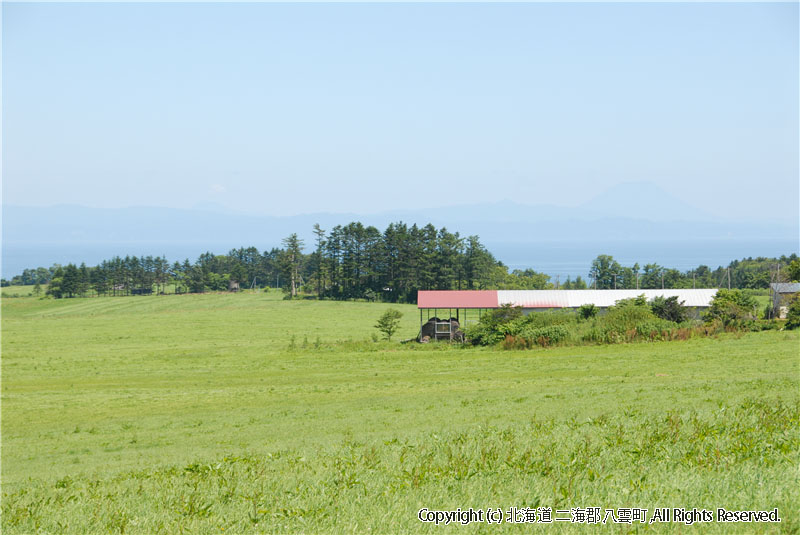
(244, 413)
(20, 291)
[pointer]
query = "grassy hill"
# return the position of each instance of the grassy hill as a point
(246, 413)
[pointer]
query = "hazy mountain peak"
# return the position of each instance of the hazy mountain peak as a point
(642, 200)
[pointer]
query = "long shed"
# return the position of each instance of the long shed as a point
(479, 300)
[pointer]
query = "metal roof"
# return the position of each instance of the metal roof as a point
(553, 298)
(786, 287)
(457, 299)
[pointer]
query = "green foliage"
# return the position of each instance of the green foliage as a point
(603, 272)
(638, 301)
(389, 322)
(216, 282)
(291, 260)
(493, 325)
(544, 336)
(793, 314)
(503, 315)
(732, 307)
(521, 279)
(793, 269)
(587, 311)
(577, 284)
(747, 273)
(359, 262)
(628, 312)
(482, 334)
(629, 320)
(68, 281)
(669, 309)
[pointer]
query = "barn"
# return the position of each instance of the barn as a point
(468, 305)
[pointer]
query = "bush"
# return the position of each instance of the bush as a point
(389, 322)
(494, 325)
(587, 311)
(482, 334)
(626, 314)
(543, 337)
(793, 315)
(668, 308)
(502, 315)
(544, 319)
(546, 336)
(732, 307)
(638, 301)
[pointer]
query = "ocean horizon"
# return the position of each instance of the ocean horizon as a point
(557, 259)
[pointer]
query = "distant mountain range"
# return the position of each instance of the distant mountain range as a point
(637, 219)
(638, 211)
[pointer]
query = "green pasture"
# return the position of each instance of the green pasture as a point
(231, 413)
(20, 291)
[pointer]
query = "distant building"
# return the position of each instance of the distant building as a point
(457, 301)
(782, 292)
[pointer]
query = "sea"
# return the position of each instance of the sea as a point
(557, 259)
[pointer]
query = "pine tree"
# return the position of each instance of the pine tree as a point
(320, 235)
(293, 258)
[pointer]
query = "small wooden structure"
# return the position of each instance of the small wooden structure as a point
(782, 294)
(440, 329)
(233, 285)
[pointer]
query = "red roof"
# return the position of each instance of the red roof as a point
(457, 299)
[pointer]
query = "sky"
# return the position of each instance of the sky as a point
(281, 109)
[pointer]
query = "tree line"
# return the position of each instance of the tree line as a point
(355, 261)
(748, 273)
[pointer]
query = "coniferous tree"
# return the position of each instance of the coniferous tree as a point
(293, 260)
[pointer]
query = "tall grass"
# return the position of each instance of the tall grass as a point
(738, 457)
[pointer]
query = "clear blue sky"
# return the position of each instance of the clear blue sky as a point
(282, 109)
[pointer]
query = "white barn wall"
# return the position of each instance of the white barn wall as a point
(544, 299)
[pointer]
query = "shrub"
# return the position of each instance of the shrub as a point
(482, 334)
(732, 307)
(389, 322)
(793, 315)
(626, 314)
(638, 301)
(668, 308)
(541, 319)
(542, 336)
(502, 315)
(546, 336)
(494, 325)
(587, 311)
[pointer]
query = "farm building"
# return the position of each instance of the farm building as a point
(465, 305)
(782, 292)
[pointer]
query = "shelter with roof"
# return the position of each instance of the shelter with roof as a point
(461, 303)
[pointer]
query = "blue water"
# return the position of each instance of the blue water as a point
(560, 259)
